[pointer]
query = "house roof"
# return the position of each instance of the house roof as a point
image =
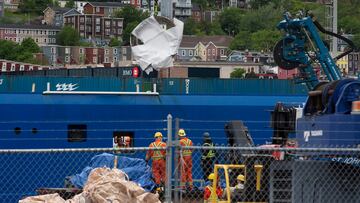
(29, 26)
(107, 4)
(218, 40)
(58, 10)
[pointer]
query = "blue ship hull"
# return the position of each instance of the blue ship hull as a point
(102, 115)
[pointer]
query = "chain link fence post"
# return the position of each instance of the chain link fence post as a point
(168, 160)
(176, 158)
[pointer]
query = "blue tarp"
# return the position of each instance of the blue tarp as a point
(137, 170)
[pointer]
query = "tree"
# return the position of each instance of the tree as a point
(8, 50)
(190, 26)
(265, 40)
(238, 73)
(70, 4)
(29, 45)
(256, 4)
(127, 32)
(114, 42)
(68, 36)
(24, 53)
(241, 41)
(230, 20)
(132, 17)
(34, 6)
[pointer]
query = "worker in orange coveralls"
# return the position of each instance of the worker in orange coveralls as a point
(158, 159)
(185, 160)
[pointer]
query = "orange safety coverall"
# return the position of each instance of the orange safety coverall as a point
(158, 161)
(186, 163)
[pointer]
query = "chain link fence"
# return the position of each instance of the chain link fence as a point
(258, 174)
(268, 174)
(227, 170)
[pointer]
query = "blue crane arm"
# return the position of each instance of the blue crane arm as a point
(300, 31)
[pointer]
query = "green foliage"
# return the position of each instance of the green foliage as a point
(16, 18)
(29, 45)
(230, 20)
(127, 32)
(23, 52)
(68, 36)
(132, 17)
(241, 41)
(70, 4)
(265, 40)
(86, 44)
(238, 73)
(114, 42)
(34, 6)
(191, 27)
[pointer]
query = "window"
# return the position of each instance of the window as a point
(54, 40)
(106, 51)
(36, 40)
(31, 68)
(107, 31)
(106, 59)
(97, 29)
(209, 52)
(213, 52)
(95, 59)
(190, 52)
(123, 139)
(115, 58)
(67, 50)
(82, 19)
(82, 27)
(81, 51)
(222, 52)
(119, 23)
(94, 51)
(3, 66)
(107, 23)
(44, 40)
(67, 59)
(183, 52)
(97, 9)
(22, 68)
(17, 130)
(97, 21)
(12, 67)
(119, 31)
(196, 53)
(77, 133)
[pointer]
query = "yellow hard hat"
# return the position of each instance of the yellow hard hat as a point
(211, 176)
(181, 133)
(158, 134)
(241, 177)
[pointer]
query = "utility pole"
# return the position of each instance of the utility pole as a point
(331, 17)
(2, 10)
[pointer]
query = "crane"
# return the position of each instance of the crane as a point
(327, 114)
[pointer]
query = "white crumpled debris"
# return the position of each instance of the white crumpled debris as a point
(159, 45)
